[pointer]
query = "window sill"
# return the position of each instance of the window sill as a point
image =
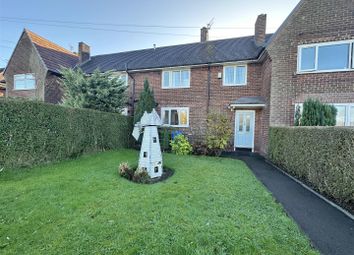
(329, 71)
(234, 85)
(23, 89)
(174, 126)
(176, 87)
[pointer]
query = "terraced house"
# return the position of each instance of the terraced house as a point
(256, 80)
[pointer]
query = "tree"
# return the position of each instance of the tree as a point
(99, 91)
(297, 115)
(218, 133)
(146, 102)
(316, 113)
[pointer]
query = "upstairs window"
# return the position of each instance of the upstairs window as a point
(24, 81)
(176, 79)
(235, 75)
(175, 116)
(326, 57)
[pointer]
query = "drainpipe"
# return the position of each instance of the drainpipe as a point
(133, 88)
(208, 88)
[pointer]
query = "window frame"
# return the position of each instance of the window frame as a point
(317, 45)
(170, 78)
(235, 67)
(24, 74)
(169, 109)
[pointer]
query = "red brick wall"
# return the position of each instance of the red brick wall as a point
(314, 21)
(196, 98)
(53, 91)
(25, 60)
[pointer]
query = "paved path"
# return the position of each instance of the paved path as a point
(330, 231)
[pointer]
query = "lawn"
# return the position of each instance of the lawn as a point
(209, 206)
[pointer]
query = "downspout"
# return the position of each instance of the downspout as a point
(208, 88)
(133, 89)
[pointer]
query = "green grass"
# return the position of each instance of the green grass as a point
(209, 206)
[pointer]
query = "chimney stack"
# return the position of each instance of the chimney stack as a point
(84, 52)
(204, 34)
(260, 29)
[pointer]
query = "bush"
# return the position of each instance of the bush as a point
(34, 133)
(165, 136)
(200, 148)
(126, 171)
(180, 145)
(315, 113)
(322, 156)
(98, 91)
(218, 134)
(141, 176)
(146, 102)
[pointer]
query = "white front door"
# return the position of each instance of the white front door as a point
(244, 129)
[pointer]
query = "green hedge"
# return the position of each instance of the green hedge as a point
(322, 156)
(34, 133)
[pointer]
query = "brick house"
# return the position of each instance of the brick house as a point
(256, 80)
(189, 82)
(33, 69)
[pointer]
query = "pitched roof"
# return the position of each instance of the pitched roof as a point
(53, 55)
(219, 51)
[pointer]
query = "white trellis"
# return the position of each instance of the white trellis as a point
(150, 158)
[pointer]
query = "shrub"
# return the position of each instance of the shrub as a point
(126, 171)
(165, 136)
(218, 134)
(99, 91)
(146, 102)
(200, 148)
(322, 156)
(34, 133)
(180, 145)
(141, 176)
(315, 113)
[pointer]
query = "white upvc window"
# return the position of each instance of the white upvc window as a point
(24, 81)
(345, 113)
(175, 116)
(235, 75)
(326, 57)
(176, 78)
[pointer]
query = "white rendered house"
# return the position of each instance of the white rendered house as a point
(150, 158)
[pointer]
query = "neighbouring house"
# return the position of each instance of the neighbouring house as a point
(2, 83)
(33, 70)
(256, 80)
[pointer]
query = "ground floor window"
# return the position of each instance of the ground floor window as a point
(345, 113)
(175, 116)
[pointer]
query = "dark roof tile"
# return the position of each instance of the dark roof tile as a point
(219, 51)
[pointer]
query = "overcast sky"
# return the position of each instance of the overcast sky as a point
(99, 23)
